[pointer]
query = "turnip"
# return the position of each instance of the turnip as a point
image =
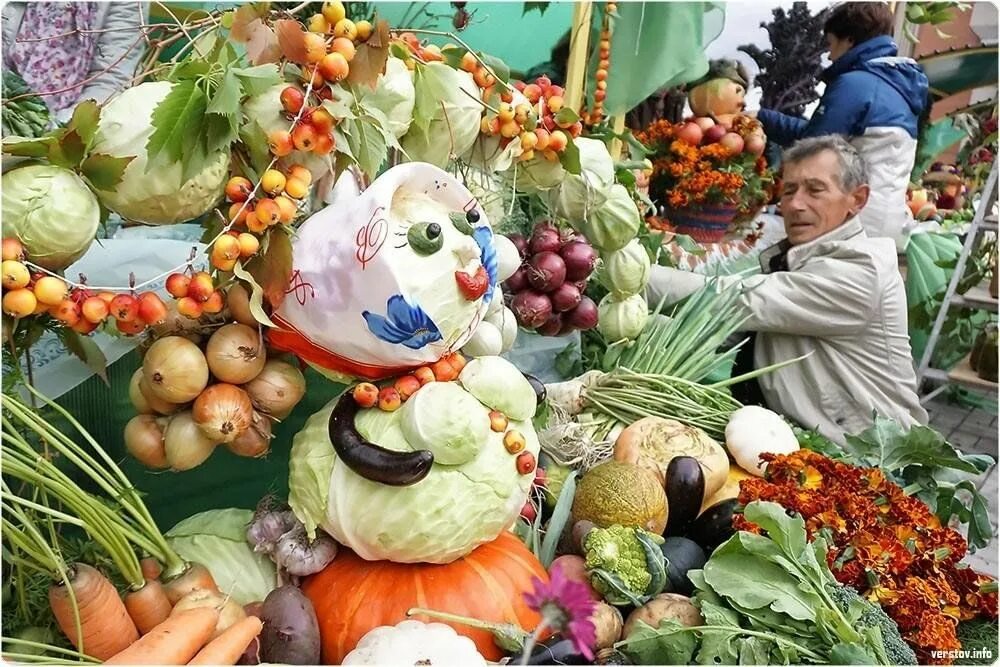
(291, 631)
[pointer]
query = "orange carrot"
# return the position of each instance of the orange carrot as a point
(148, 606)
(230, 645)
(173, 642)
(151, 568)
(105, 626)
(195, 577)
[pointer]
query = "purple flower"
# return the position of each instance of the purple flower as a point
(566, 607)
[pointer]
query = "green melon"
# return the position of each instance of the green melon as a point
(616, 493)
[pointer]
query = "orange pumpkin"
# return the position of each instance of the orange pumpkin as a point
(352, 596)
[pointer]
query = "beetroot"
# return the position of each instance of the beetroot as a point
(584, 316)
(546, 271)
(565, 297)
(518, 281)
(579, 258)
(531, 308)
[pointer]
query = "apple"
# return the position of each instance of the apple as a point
(714, 134)
(755, 144)
(733, 142)
(704, 122)
(690, 133)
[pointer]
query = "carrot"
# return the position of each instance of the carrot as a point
(148, 606)
(173, 642)
(230, 645)
(105, 626)
(195, 577)
(151, 568)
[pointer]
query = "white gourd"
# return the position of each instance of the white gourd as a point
(415, 643)
(752, 431)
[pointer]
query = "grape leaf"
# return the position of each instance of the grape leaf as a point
(272, 268)
(226, 100)
(367, 144)
(291, 41)
(431, 88)
(341, 143)
(68, 149)
(570, 157)
(86, 350)
(176, 119)
(104, 171)
(218, 132)
(499, 67)
(262, 44)
(382, 123)
(85, 118)
(370, 57)
(256, 80)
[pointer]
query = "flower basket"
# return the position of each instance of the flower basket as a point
(705, 224)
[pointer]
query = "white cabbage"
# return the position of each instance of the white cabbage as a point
(579, 195)
(620, 319)
(447, 114)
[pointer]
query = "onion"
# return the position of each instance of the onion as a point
(580, 285)
(185, 444)
(518, 281)
(520, 243)
(277, 389)
(175, 369)
(235, 354)
(566, 297)
(584, 316)
(552, 326)
(176, 324)
(546, 271)
(238, 302)
(531, 309)
(155, 404)
(544, 239)
(579, 258)
(222, 412)
(144, 441)
(254, 442)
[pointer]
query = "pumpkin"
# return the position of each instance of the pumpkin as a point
(353, 596)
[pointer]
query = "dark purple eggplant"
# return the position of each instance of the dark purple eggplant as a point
(685, 487)
(683, 555)
(715, 525)
(555, 651)
(369, 460)
(538, 386)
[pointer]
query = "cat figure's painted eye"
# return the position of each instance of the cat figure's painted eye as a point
(425, 238)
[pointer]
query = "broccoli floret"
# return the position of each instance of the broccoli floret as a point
(626, 565)
(872, 616)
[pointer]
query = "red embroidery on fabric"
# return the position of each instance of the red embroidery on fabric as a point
(371, 237)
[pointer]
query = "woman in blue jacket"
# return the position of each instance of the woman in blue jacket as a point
(873, 98)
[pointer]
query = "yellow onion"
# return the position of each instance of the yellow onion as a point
(235, 353)
(222, 412)
(143, 400)
(277, 388)
(238, 302)
(254, 442)
(185, 444)
(176, 324)
(144, 441)
(175, 369)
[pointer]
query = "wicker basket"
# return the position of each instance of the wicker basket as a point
(707, 224)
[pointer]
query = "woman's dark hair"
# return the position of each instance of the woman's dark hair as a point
(859, 21)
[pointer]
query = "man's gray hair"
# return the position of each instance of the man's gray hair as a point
(853, 168)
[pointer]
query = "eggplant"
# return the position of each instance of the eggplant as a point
(554, 651)
(685, 487)
(715, 525)
(682, 555)
(538, 386)
(369, 460)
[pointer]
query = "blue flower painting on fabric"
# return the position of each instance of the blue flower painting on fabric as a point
(483, 237)
(404, 323)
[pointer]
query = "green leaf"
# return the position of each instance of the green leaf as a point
(887, 446)
(255, 140)
(788, 532)
(190, 70)
(431, 89)
(176, 119)
(84, 121)
(218, 132)
(226, 99)
(256, 80)
(540, 7)
(68, 150)
(86, 350)
(560, 515)
(104, 171)
(367, 143)
(570, 157)
(256, 296)
(398, 50)
(342, 145)
(499, 67)
(851, 654)
(669, 644)
(271, 268)
(566, 116)
(728, 571)
(342, 107)
(28, 147)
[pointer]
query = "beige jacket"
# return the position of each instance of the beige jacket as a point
(842, 301)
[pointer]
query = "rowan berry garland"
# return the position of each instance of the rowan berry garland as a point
(603, 63)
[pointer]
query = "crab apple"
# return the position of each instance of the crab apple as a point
(555, 91)
(226, 247)
(255, 225)
(365, 394)
(177, 285)
(301, 173)
(334, 11)
(424, 374)
(533, 92)
(543, 82)
(558, 141)
(345, 28)
(214, 303)
(267, 212)
(542, 139)
(49, 290)
(389, 399)
(600, 95)
(133, 328)
(304, 137)
(498, 421)
(334, 67)
(238, 213)
(322, 120)
(509, 129)
(324, 144)
(527, 155)
(286, 209)
(152, 310)
(315, 47)
(19, 302)
(506, 96)
(108, 297)
(12, 249)
(249, 244)
(15, 275)
(364, 29)
(94, 309)
(84, 327)
(124, 307)
(310, 76)
(525, 463)
(280, 142)
(295, 188)
(576, 129)
(601, 75)
(318, 24)
(483, 78)
(528, 141)
(549, 123)
(66, 311)
(555, 103)
(238, 189)
(505, 113)
(272, 182)
(201, 287)
(188, 307)
(292, 98)
(406, 385)
(469, 63)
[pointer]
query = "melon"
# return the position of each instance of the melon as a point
(624, 494)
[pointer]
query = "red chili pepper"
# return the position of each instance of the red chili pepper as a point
(472, 287)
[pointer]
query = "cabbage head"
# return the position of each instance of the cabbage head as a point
(614, 224)
(539, 175)
(52, 213)
(446, 116)
(158, 196)
(394, 95)
(626, 271)
(579, 195)
(620, 319)
(217, 540)
(443, 517)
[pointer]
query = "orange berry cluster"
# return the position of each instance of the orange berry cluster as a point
(333, 21)
(603, 63)
(80, 309)
(551, 135)
(427, 53)
(196, 294)
(279, 203)
(313, 133)
(390, 397)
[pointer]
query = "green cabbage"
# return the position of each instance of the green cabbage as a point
(626, 271)
(446, 115)
(579, 195)
(539, 175)
(394, 95)
(619, 319)
(158, 196)
(499, 385)
(51, 211)
(614, 224)
(217, 540)
(447, 420)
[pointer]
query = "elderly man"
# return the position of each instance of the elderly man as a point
(828, 291)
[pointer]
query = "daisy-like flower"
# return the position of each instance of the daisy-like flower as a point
(567, 608)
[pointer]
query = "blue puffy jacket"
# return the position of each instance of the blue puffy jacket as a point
(874, 98)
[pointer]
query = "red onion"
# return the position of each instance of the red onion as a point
(546, 271)
(565, 297)
(520, 243)
(552, 326)
(567, 236)
(567, 328)
(580, 259)
(531, 309)
(580, 285)
(518, 281)
(544, 239)
(584, 316)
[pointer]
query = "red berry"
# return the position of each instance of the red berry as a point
(365, 394)
(525, 463)
(124, 308)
